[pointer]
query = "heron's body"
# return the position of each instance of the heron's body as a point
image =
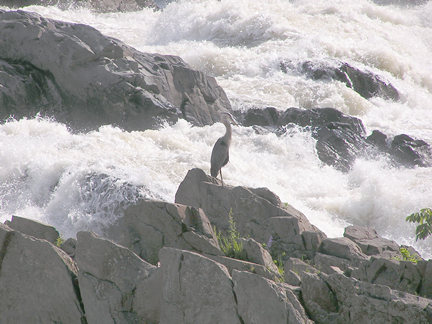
(220, 153)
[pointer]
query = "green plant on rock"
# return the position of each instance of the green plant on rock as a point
(59, 241)
(424, 219)
(407, 256)
(278, 261)
(230, 244)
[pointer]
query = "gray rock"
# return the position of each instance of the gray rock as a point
(257, 254)
(108, 276)
(148, 226)
(258, 213)
(83, 78)
(34, 228)
(195, 289)
(399, 275)
(362, 302)
(69, 246)
(370, 243)
(338, 299)
(319, 299)
(234, 264)
(292, 278)
(37, 281)
(298, 266)
(426, 285)
(260, 300)
(342, 247)
(329, 263)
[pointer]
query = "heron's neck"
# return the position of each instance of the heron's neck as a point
(228, 132)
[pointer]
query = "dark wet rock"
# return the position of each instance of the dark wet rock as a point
(365, 83)
(379, 140)
(27, 87)
(96, 5)
(340, 138)
(411, 152)
(85, 79)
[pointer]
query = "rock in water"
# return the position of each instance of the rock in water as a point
(96, 5)
(85, 79)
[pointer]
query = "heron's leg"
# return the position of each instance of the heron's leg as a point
(221, 176)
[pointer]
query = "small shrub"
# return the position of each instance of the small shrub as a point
(59, 241)
(407, 256)
(231, 245)
(424, 218)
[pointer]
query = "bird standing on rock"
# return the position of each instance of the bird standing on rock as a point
(220, 153)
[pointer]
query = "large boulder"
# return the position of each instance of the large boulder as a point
(110, 277)
(195, 289)
(261, 300)
(81, 77)
(147, 226)
(37, 281)
(257, 213)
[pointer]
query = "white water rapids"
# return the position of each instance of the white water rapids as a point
(79, 181)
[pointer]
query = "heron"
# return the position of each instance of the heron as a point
(220, 153)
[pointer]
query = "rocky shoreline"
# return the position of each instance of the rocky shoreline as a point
(162, 263)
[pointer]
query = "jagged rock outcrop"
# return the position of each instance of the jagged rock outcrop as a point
(37, 281)
(340, 138)
(339, 299)
(258, 213)
(148, 226)
(358, 278)
(85, 79)
(110, 277)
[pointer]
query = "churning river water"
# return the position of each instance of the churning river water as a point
(81, 181)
